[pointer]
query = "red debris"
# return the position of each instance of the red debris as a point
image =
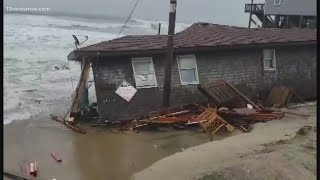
(56, 157)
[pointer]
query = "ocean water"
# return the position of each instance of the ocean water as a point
(35, 45)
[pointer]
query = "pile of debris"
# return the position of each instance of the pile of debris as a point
(208, 117)
(236, 111)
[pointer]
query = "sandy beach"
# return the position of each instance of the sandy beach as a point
(271, 150)
(101, 154)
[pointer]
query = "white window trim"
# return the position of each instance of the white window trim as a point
(274, 61)
(197, 75)
(274, 3)
(143, 59)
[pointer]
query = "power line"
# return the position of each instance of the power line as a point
(128, 17)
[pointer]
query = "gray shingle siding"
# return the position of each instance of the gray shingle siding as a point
(296, 66)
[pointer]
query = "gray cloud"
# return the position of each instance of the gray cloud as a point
(215, 11)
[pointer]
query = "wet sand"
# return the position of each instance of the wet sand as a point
(272, 150)
(100, 154)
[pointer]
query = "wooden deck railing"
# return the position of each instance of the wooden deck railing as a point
(254, 8)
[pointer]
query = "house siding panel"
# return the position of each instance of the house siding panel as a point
(111, 106)
(242, 68)
(296, 67)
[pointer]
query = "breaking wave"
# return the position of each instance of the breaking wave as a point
(35, 45)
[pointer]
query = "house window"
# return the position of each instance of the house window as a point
(188, 69)
(144, 74)
(269, 59)
(276, 2)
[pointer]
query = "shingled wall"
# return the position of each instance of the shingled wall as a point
(296, 66)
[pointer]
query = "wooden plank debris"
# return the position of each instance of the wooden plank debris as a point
(208, 118)
(218, 91)
(243, 96)
(286, 111)
(223, 93)
(81, 88)
(214, 122)
(70, 125)
(56, 157)
(263, 117)
(281, 95)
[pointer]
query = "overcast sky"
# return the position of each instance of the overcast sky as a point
(215, 11)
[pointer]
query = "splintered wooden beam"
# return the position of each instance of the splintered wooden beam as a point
(69, 125)
(170, 114)
(175, 119)
(81, 86)
(286, 111)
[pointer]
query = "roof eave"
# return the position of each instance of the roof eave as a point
(71, 56)
(77, 54)
(244, 46)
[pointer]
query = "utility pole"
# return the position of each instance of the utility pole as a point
(168, 62)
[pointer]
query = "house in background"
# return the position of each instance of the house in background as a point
(283, 13)
(252, 59)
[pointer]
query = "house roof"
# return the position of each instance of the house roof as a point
(200, 36)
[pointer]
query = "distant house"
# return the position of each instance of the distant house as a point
(291, 7)
(252, 59)
(284, 13)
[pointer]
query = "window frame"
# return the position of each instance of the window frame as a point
(274, 60)
(276, 4)
(178, 57)
(143, 59)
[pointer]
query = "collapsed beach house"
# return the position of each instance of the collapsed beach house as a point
(253, 60)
